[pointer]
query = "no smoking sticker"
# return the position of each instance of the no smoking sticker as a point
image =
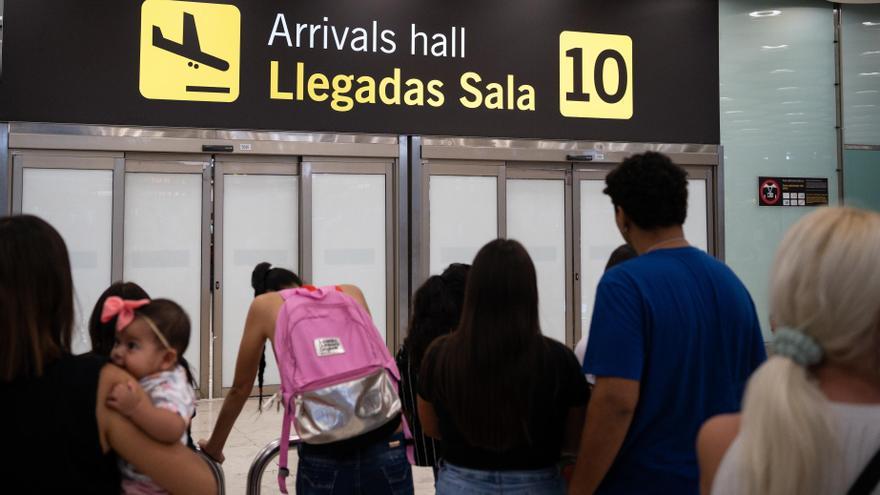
(792, 191)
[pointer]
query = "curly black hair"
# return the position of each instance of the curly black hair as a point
(650, 189)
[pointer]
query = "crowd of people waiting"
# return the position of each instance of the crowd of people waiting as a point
(672, 393)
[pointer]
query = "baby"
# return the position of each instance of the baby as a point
(151, 337)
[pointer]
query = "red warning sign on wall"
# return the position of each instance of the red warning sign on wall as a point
(792, 191)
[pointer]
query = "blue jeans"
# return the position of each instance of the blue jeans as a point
(456, 480)
(378, 469)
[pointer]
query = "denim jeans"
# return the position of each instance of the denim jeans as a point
(381, 468)
(456, 480)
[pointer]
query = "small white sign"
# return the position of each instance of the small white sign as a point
(328, 346)
(245, 147)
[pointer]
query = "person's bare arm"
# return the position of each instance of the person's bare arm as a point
(173, 467)
(609, 415)
(258, 325)
(715, 437)
(160, 424)
(428, 418)
(574, 426)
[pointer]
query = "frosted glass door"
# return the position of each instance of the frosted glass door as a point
(260, 223)
(536, 218)
(79, 204)
(348, 236)
(696, 227)
(163, 243)
(599, 237)
(463, 217)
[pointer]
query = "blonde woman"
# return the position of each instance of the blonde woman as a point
(811, 417)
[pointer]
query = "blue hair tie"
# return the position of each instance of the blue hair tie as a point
(797, 346)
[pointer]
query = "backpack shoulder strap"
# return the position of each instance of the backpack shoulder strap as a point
(868, 479)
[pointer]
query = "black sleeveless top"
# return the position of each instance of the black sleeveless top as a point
(49, 431)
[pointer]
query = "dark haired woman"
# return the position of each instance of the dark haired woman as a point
(436, 310)
(505, 400)
(104, 334)
(55, 404)
(373, 463)
(266, 278)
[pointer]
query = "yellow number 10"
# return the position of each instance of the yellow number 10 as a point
(610, 57)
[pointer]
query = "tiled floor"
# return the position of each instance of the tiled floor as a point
(251, 433)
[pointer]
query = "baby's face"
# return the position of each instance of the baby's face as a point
(137, 350)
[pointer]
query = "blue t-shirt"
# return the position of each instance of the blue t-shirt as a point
(684, 326)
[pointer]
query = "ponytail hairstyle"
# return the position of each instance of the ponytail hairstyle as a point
(172, 321)
(104, 334)
(825, 292)
(267, 279)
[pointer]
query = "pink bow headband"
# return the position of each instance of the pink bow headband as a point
(123, 310)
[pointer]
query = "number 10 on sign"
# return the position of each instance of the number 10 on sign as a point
(595, 75)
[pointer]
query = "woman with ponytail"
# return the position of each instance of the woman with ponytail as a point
(811, 416)
(264, 279)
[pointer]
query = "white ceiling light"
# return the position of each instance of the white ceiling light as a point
(872, 52)
(870, 23)
(869, 73)
(773, 47)
(765, 13)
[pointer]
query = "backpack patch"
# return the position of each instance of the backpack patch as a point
(328, 346)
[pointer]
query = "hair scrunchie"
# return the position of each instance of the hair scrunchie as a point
(797, 346)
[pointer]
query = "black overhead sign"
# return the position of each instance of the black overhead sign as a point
(628, 70)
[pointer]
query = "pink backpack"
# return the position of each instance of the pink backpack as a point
(338, 379)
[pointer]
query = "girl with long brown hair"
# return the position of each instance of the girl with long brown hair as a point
(505, 400)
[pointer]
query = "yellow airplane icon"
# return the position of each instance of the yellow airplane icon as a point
(203, 65)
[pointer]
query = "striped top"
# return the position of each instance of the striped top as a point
(858, 428)
(426, 449)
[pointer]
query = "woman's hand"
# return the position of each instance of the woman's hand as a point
(212, 452)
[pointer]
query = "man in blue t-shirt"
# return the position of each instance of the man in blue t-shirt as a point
(673, 340)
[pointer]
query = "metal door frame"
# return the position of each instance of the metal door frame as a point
(22, 159)
(245, 165)
(578, 157)
(356, 166)
(556, 171)
(599, 172)
(175, 163)
(69, 140)
(465, 168)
